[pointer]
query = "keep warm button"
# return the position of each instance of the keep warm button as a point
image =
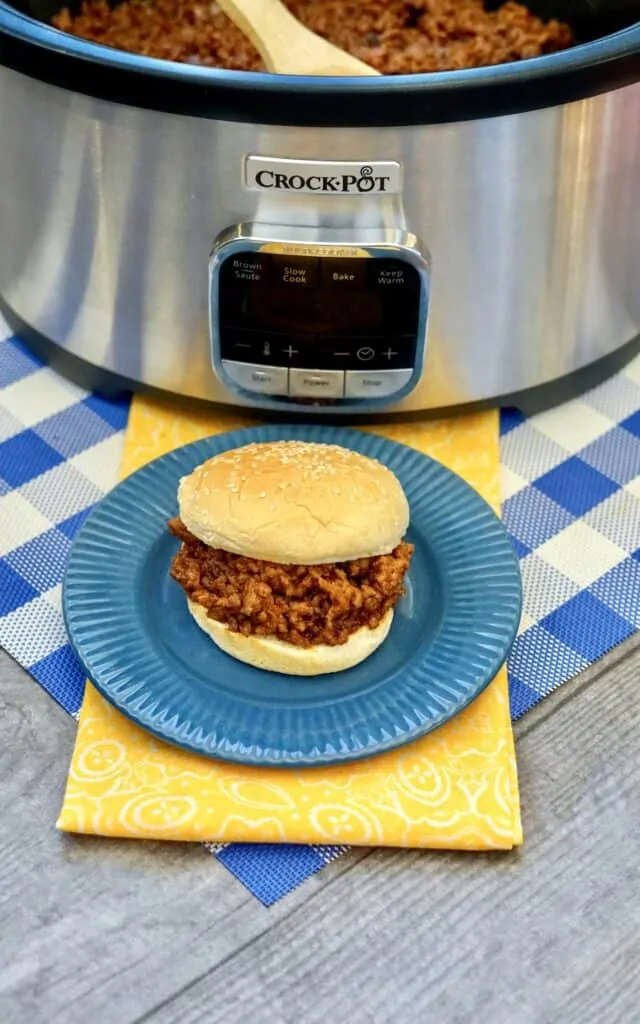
(312, 383)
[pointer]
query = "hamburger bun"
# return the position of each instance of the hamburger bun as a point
(295, 503)
(278, 656)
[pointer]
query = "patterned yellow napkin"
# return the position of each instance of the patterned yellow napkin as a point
(456, 788)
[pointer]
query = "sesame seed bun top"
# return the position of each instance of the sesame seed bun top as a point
(295, 502)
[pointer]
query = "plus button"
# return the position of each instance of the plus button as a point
(290, 351)
(389, 353)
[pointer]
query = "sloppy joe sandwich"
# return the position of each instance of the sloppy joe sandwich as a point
(292, 554)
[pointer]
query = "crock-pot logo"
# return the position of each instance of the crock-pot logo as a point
(327, 177)
(365, 182)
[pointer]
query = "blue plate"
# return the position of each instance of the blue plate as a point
(129, 624)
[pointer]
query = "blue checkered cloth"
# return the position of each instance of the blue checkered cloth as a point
(571, 490)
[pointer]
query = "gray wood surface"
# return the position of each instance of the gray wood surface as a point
(111, 932)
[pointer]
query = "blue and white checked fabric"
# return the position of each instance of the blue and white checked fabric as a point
(571, 502)
(571, 488)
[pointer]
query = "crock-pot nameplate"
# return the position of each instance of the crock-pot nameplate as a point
(322, 177)
(318, 323)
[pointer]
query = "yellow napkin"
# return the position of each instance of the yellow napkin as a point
(456, 788)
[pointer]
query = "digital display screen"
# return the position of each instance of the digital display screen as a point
(324, 311)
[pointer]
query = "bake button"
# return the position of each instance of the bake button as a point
(375, 383)
(263, 380)
(309, 383)
(344, 274)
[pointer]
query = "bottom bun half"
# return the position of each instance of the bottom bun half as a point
(278, 656)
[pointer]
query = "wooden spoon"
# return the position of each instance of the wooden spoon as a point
(285, 45)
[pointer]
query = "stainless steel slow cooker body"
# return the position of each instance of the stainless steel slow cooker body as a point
(521, 183)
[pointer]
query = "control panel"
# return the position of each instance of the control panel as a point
(315, 326)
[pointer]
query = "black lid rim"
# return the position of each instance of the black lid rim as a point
(51, 56)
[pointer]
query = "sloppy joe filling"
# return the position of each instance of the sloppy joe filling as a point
(303, 605)
(393, 36)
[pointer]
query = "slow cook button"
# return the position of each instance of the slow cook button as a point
(375, 383)
(264, 380)
(295, 272)
(309, 383)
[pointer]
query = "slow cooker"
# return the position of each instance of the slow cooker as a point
(396, 243)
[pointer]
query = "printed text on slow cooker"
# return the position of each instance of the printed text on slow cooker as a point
(265, 174)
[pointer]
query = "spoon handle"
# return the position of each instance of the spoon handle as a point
(285, 45)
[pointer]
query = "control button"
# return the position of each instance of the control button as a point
(245, 346)
(304, 353)
(313, 354)
(390, 352)
(323, 383)
(300, 351)
(375, 383)
(264, 380)
(244, 267)
(365, 354)
(343, 274)
(397, 286)
(391, 275)
(294, 272)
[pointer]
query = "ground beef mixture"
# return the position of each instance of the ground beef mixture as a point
(302, 604)
(393, 36)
